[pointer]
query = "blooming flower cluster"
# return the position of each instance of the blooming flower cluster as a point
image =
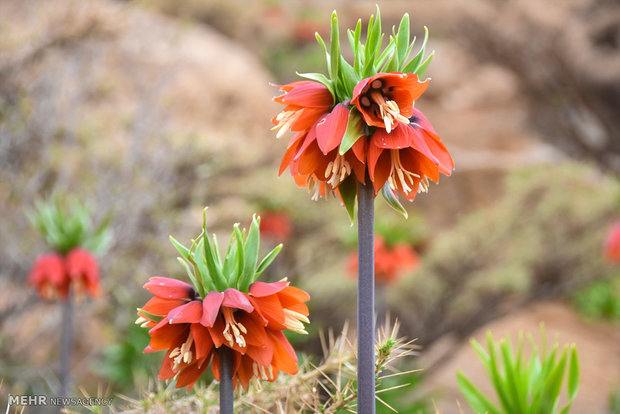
(224, 309)
(360, 123)
(390, 262)
(69, 232)
(52, 275)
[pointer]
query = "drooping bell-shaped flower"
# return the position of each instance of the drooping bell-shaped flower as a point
(226, 307)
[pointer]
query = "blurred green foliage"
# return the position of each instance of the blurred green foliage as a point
(601, 300)
(522, 386)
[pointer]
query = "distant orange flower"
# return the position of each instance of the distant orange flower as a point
(275, 225)
(53, 275)
(192, 329)
(612, 244)
(49, 278)
(390, 263)
(83, 271)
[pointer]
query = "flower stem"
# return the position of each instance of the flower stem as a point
(66, 344)
(226, 381)
(366, 299)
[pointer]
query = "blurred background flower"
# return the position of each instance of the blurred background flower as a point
(137, 107)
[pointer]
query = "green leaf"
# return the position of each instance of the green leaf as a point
(321, 42)
(151, 316)
(348, 192)
(390, 197)
(553, 386)
(402, 38)
(267, 261)
(475, 397)
(348, 78)
(422, 69)
(353, 132)
(412, 66)
(251, 247)
(199, 286)
(511, 375)
(184, 251)
(335, 47)
(496, 378)
(240, 255)
(320, 78)
(573, 374)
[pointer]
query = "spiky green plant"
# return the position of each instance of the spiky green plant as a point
(524, 387)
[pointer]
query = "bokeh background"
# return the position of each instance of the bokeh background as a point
(151, 110)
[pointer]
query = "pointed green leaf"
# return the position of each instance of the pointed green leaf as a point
(190, 273)
(151, 316)
(240, 256)
(353, 132)
(475, 397)
(320, 78)
(348, 78)
(251, 247)
(412, 66)
(422, 69)
(573, 374)
(321, 42)
(184, 251)
(402, 38)
(267, 261)
(390, 197)
(348, 192)
(335, 47)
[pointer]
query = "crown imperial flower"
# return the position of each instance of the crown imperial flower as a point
(225, 307)
(359, 120)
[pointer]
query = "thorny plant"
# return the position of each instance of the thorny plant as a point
(327, 388)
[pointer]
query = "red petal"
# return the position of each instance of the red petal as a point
(308, 94)
(330, 130)
(168, 288)
(235, 299)
(357, 90)
(211, 308)
(190, 374)
(160, 306)
(271, 309)
(419, 143)
(166, 371)
(374, 152)
(282, 358)
(446, 164)
(396, 139)
(262, 354)
(188, 313)
(202, 339)
(260, 289)
(292, 295)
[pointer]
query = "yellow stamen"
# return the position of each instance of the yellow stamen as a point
(398, 172)
(183, 353)
(234, 326)
(388, 110)
(293, 321)
(285, 120)
(337, 170)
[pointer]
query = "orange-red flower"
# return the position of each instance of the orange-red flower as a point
(83, 271)
(48, 277)
(407, 157)
(386, 99)
(191, 329)
(53, 275)
(612, 244)
(390, 263)
(304, 103)
(275, 225)
(312, 154)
